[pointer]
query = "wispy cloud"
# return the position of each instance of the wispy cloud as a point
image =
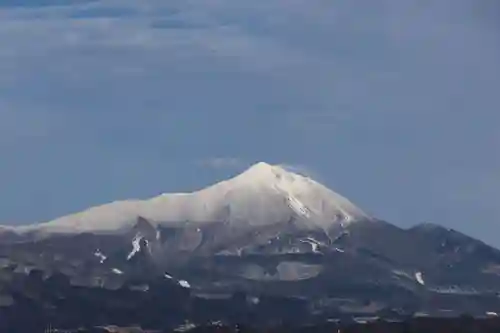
(41, 3)
(303, 170)
(223, 163)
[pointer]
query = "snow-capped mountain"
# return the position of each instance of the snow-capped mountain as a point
(262, 195)
(267, 232)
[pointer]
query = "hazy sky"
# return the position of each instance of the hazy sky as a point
(394, 104)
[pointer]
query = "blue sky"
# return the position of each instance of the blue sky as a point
(394, 104)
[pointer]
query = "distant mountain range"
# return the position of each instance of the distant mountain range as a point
(268, 244)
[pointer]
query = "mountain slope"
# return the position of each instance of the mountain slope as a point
(262, 195)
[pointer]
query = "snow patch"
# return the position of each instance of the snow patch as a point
(420, 278)
(117, 271)
(402, 274)
(184, 284)
(100, 255)
(315, 244)
(188, 326)
(136, 246)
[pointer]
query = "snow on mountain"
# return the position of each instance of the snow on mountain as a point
(420, 278)
(136, 246)
(100, 255)
(264, 194)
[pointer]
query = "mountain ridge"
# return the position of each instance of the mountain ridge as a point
(262, 194)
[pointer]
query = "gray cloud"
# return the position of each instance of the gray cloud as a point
(224, 163)
(41, 3)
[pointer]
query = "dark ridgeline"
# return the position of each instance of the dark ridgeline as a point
(427, 325)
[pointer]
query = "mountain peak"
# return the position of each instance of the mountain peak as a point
(262, 166)
(264, 172)
(262, 195)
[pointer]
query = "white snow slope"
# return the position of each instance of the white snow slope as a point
(264, 194)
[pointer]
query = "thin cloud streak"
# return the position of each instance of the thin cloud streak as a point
(223, 163)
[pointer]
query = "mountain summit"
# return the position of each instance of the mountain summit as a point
(264, 194)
